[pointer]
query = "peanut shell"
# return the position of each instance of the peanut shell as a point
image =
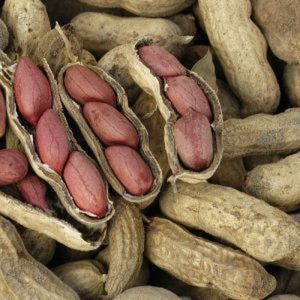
(291, 77)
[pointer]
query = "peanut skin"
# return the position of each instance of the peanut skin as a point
(52, 141)
(33, 190)
(32, 90)
(194, 141)
(110, 125)
(2, 115)
(184, 93)
(160, 61)
(130, 169)
(85, 184)
(13, 166)
(86, 86)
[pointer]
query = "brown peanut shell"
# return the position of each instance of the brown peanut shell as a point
(157, 8)
(27, 21)
(85, 277)
(97, 147)
(202, 263)
(125, 248)
(42, 170)
(22, 277)
(262, 134)
(262, 231)
(153, 85)
(40, 246)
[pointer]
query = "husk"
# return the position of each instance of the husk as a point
(291, 77)
(22, 277)
(261, 230)
(98, 149)
(27, 21)
(42, 170)
(40, 246)
(58, 46)
(262, 134)
(203, 263)
(186, 22)
(157, 8)
(152, 85)
(4, 35)
(85, 277)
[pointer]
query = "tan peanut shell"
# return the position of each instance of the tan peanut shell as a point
(42, 170)
(146, 109)
(262, 231)
(27, 21)
(100, 32)
(153, 85)
(279, 21)
(242, 50)
(292, 261)
(156, 8)
(147, 292)
(88, 58)
(58, 46)
(231, 172)
(36, 219)
(40, 246)
(98, 149)
(252, 162)
(262, 134)
(202, 263)
(125, 248)
(277, 183)
(186, 23)
(12, 141)
(4, 35)
(85, 277)
(291, 77)
(23, 277)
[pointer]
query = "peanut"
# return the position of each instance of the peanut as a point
(279, 21)
(52, 141)
(2, 114)
(85, 86)
(202, 263)
(262, 134)
(160, 61)
(242, 50)
(33, 190)
(110, 125)
(100, 32)
(27, 22)
(14, 166)
(85, 184)
(32, 90)
(264, 232)
(184, 93)
(194, 141)
(161, 8)
(291, 76)
(130, 169)
(4, 35)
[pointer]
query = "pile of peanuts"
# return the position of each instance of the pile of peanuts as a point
(150, 149)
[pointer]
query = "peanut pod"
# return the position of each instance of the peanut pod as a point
(42, 170)
(277, 183)
(97, 146)
(262, 134)
(221, 211)
(284, 297)
(202, 263)
(287, 282)
(40, 246)
(85, 277)
(154, 86)
(141, 8)
(24, 277)
(242, 50)
(4, 35)
(291, 77)
(279, 21)
(125, 248)
(252, 162)
(27, 22)
(147, 292)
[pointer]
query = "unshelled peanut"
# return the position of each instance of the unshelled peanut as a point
(2, 115)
